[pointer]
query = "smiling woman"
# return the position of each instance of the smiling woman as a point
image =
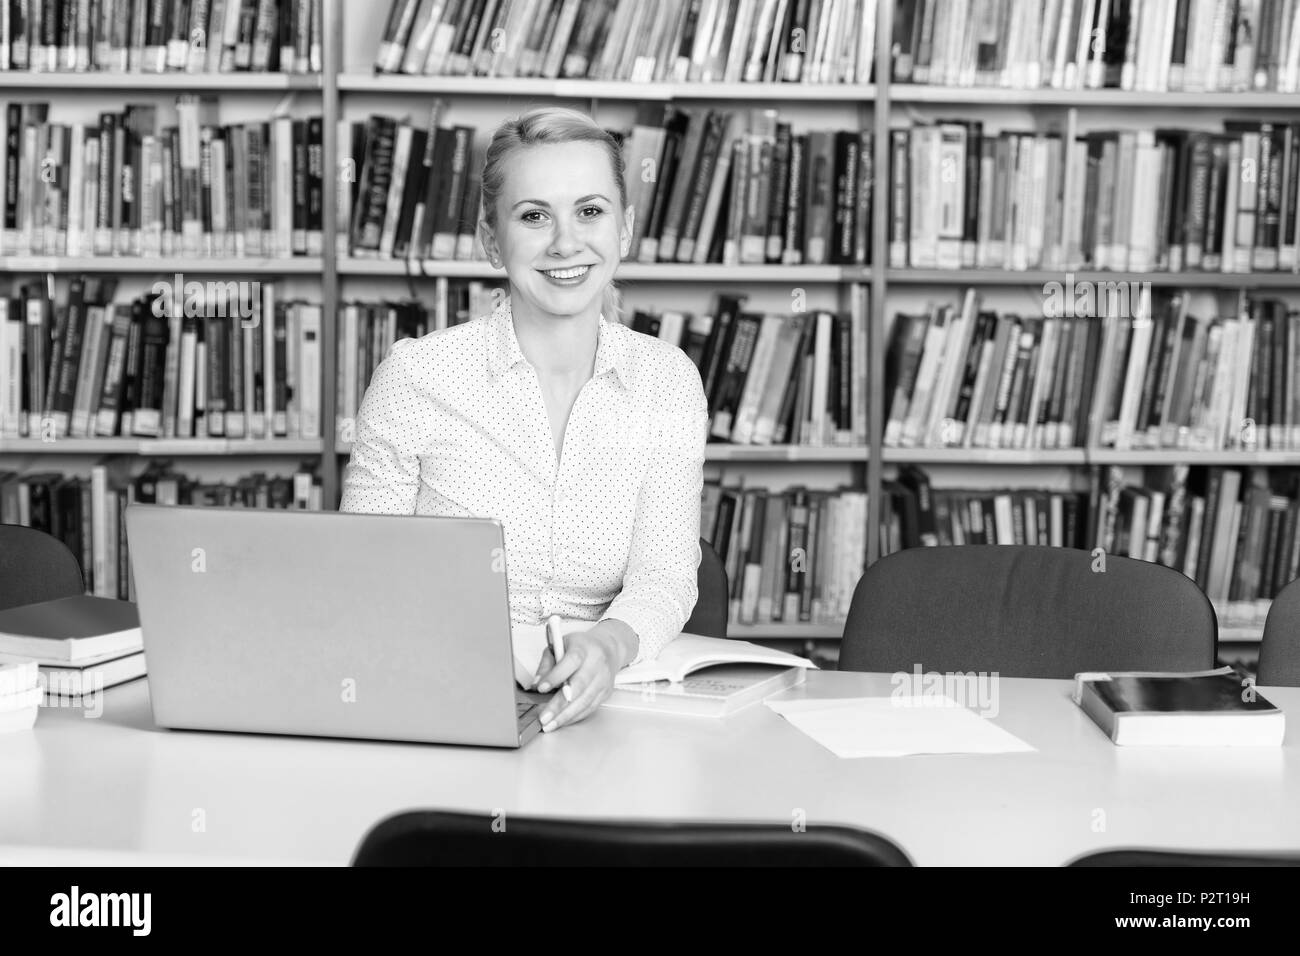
(584, 438)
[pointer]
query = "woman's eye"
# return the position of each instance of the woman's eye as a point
(532, 212)
(594, 210)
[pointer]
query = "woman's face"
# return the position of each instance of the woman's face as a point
(560, 232)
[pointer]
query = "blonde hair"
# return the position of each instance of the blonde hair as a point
(546, 125)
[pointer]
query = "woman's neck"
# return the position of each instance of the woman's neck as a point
(558, 346)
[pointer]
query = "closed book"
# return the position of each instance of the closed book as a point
(1213, 708)
(713, 692)
(70, 629)
(91, 677)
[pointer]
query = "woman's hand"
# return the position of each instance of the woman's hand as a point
(591, 659)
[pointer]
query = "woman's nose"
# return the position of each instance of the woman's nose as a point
(564, 241)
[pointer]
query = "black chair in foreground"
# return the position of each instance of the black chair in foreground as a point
(709, 618)
(1181, 858)
(1025, 611)
(1279, 655)
(34, 567)
(435, 838)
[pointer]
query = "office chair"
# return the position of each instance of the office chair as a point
(437, 838)
(710, 615)
(1181, 858)
(1279, 654)
(1025, 611)
(35, 566)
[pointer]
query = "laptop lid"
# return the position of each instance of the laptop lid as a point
(385, 627)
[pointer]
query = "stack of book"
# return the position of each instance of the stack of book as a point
(793, 556)
(1130, 200)
(20, 694)
(1158, 45)
(676, 40)
(82, 644)
(153, 36)
(86, 513)
(190, 359)
(134, 185)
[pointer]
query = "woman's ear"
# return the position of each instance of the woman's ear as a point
(489, 243)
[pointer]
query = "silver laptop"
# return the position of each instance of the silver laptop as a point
(384, 627)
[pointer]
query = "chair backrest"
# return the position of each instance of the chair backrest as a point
(35, 566)
(710, 615)
(1279, 655)
(435, 838)
(1148, 858)
(1025, 611)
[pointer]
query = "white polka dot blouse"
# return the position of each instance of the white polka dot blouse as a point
(454, 424)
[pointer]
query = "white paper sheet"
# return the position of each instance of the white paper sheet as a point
(896, 726)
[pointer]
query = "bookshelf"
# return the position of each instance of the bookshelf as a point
(347, 88)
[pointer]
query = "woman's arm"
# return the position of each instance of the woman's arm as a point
(660, 585)
(383, 474)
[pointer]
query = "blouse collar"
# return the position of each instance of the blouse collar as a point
(503, 352)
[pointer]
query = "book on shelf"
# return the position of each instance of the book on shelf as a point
(71, 629)
(731, 187)
(1214, 708)
(792, 556)
(1190, 46)
(1173, 379)
(189, 359)
(162, 36)
(135, 184)
(1235, 532)
(86, 514)
(743, 187)
(770, 378)
(675, 41)
(916, 514)
(414, 190)
(1136, 200)
(1130, 369)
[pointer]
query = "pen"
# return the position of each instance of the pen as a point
(556, 640)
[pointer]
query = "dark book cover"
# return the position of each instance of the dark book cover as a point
(1213, 692)
(413, 193)
(376, 173)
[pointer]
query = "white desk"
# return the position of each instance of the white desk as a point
(116, 789)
